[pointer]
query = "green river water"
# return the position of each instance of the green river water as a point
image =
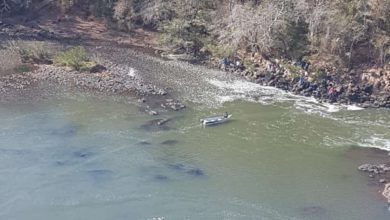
(89, 158)
(85, 157)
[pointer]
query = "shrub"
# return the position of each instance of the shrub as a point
(23, 68)
(35, 53)
(75, 58)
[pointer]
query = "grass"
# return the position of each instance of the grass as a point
(75, 58)
(9, 60)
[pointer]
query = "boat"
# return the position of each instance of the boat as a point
(215, 120)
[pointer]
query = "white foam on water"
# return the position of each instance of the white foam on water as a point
(252, 92)
(376, 141)
(236, 85)
(354, 108)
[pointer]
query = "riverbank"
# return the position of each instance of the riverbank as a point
(365, 87)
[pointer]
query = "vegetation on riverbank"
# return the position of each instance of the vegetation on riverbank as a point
(344, 33)
(336, 51)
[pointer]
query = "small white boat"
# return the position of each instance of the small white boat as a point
(215, 120)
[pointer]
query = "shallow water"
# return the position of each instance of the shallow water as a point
(91, 158)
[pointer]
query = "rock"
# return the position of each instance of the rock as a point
(143, 100)
(169, 142)
(151, 112)
(161, 92)
(374, 169)
(177, 166)
(163, 121)
(155, 125)
(382, 181)
(144, 143)
(161, 178)
(100, 175)
(313, 211)
(195, 172)
(386, 192)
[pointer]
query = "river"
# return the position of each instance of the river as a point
(84, 157)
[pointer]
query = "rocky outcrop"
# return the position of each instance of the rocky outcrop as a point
(381, 174)
(374, 169)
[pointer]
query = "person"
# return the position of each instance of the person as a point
(332, 92)
(307, 65)
(301, 81)
(226, 115)
(224, 63)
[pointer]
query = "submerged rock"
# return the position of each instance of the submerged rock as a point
(177, 166)
(311, 211)
(156, 125)
(83, 154)
(66, 131)
(161, 178)
(169, 142)
(144, 143)
(100, 175)
(195, 172)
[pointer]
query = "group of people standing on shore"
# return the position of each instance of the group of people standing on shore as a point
(323, 89)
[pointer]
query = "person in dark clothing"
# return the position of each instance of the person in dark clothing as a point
(224, 63)
(306, 66)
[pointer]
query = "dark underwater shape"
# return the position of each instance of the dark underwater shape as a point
(177, 166)
(169, 142)
(161, 178)
(187, 170)
(311, 211)
(143, 143)
(66, 131)
(195, 172)
(155, 125)
(100, 175)
(83, 154)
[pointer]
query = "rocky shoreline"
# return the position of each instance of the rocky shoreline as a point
(111, 79)
(366, 89)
